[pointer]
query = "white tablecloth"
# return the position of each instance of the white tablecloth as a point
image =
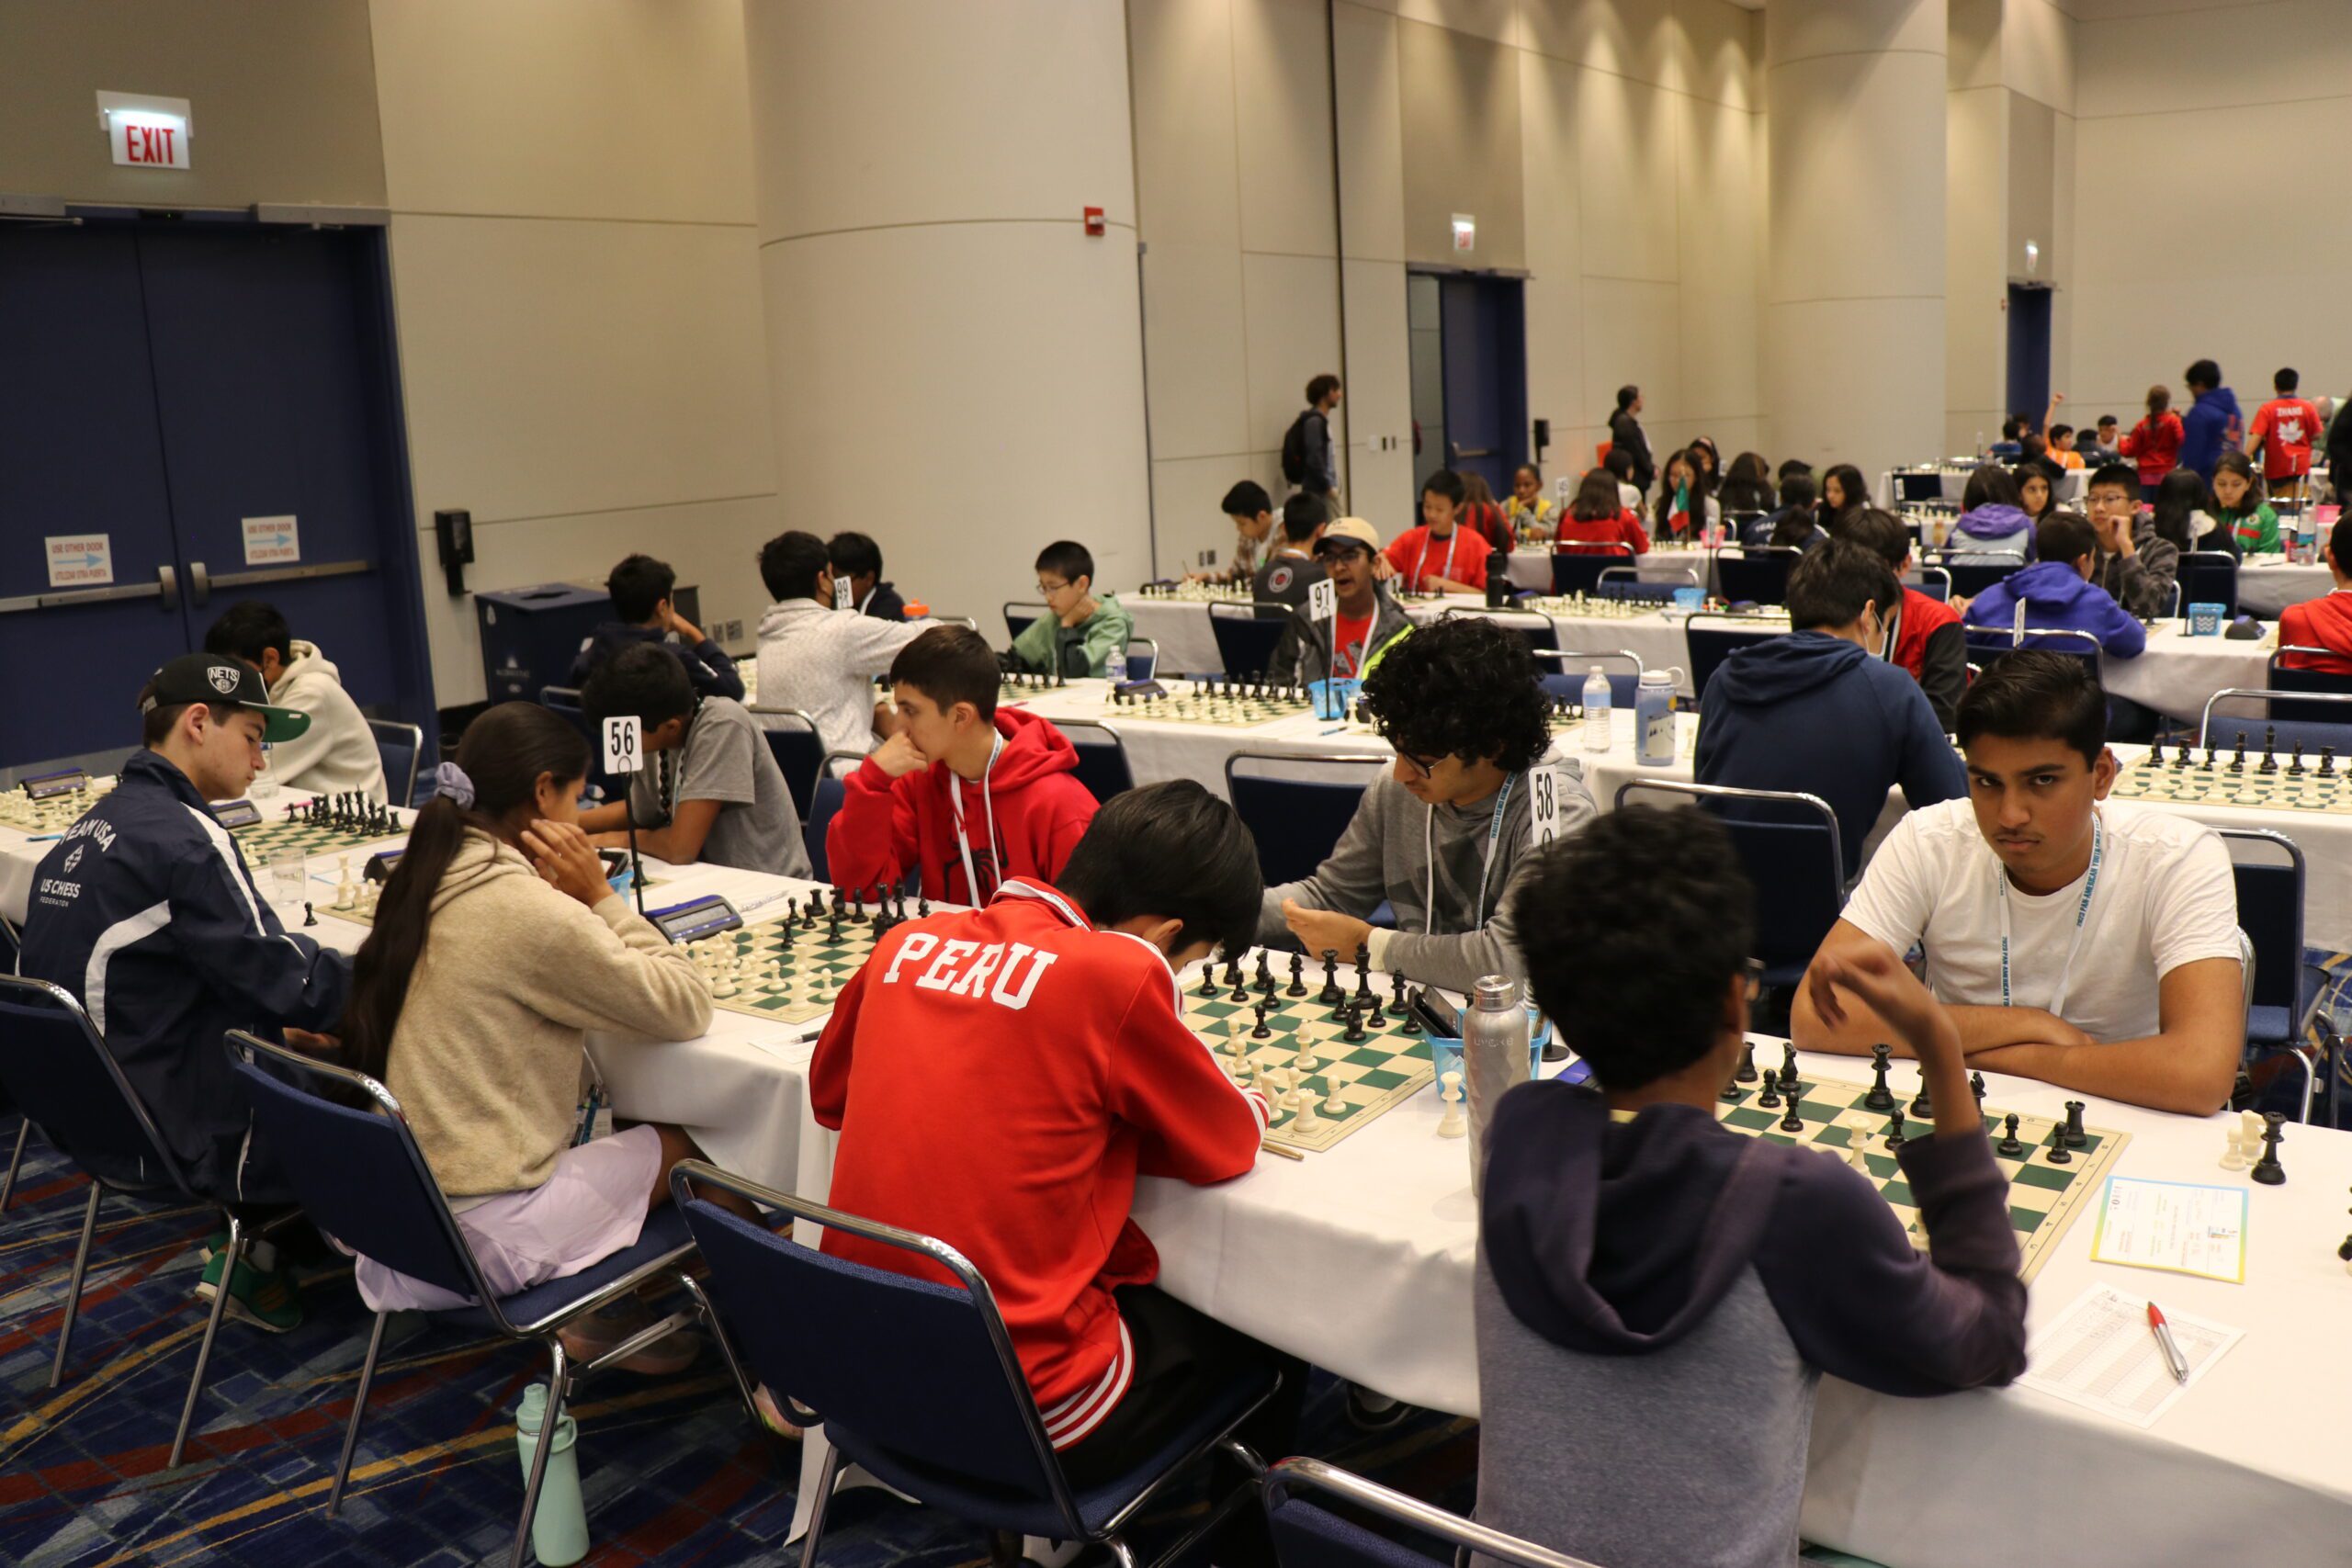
(2268, 584)
(1180, 627)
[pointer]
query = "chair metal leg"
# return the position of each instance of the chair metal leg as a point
(74, 1285)
(358, 1408)
(211, 1331)
(560, 1377)
(726, 1348)
(1120, 1549)
(817, 1505)
(8, 1188)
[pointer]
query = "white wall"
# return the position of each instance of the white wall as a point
(579, 313)
(1636, 213)
(2208, 220)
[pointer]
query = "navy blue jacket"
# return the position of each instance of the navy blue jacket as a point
(2212, 426)
(146, 912)
(707, 666)
(1815, 713)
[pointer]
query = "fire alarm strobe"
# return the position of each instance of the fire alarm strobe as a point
(1094, 225)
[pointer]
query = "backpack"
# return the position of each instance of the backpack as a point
(1295, 449)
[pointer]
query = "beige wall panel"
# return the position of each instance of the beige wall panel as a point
(714, 546)
(1554, 289)
(1861, 129)
(1381, 489)
(1973, 36)
(1625, 38)
(1196, 359)
(967, 363)
(1976, 234)
(1627, 150)
(1372, 133)
(2212, 58)
(1711, 58)
(1186, 146)
(1632, 332)
(1721, 186)
(1809, 30)
(2032, 155)
(2062, 271)
(574, 366)
(1185, 493)
(1001, 87)
(1282, 75)
(1291, 312)
(2038, 52)
(1380, 398)
(282, 94)
(1462, 150)
(575, 108)
(1496, 20)
(1872, 400)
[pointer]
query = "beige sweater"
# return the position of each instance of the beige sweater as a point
(487, 1058)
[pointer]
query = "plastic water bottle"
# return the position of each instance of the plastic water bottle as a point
(1654, 719)
(1597, 700)
(1496, 1055)
(2307, 534)
(1115, 666)
(559, 1523)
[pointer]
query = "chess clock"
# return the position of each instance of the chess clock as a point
(47, 786)
(696, 919)
(235, 814)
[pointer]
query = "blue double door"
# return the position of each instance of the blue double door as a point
(161, 384)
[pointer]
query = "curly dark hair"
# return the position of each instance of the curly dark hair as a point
(1465, 687)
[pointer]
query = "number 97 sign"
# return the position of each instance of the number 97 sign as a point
(624, 745)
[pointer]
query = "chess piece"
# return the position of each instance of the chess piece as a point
(1451, 1125)
(1770, 1098)
(1265, 976)
(1303, 1118)
(1364, 978)
(1355, 1030)
(2237, 761)
(2327, 761)
(1880, 1098)
(1397, 1006)
(1297, 986)
(2076, 1138)
(2267, 1171)
(1922, 1108)
(1794, 1121)
(1732, 1093)
(2233, 1152)
(2295, 763)
(2269, 750)
(345, 894)
(1976, 1089)
(1208, 980)
(1334, 1104)
(309, 915)
(2344, 1252)
(1330, 995)
(1788, 1068)
(1261, 1032)
(1747, 1072)
(2058, 1155)
(1894, 1131)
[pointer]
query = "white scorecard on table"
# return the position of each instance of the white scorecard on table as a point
(1322, 601)
(624, 744)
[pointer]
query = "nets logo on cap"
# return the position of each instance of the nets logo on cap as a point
(224, 678)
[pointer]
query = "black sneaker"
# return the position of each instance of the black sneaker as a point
(1372, 1412)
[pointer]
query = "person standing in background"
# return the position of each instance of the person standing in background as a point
(2155, 442)
(1308, 459)
(1625, 435)
(2284, 430)
(2212, 424)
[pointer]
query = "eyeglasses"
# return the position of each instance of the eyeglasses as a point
(1050, 589)
(1427, 770)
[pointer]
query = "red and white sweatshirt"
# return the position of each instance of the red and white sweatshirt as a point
(999, 1077)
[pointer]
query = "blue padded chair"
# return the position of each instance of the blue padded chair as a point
(1308, 1535)
(1972, 571)
(1987, 645)
(2283, 991)
(565, 701)
(1246, 635)
(398, 747)
(351, 1157)
(1712, 638)
(1296, 821)
(825, 803)
(1537, 631)
(1575, 664)
(1627, 583)
(1934, 581)
(2284, 677)
(916, 1382)
(58, 1071)
(1578, 571)
(2209, 577)
(1143, 658)
(798, 749)
(1789, 844)
(2267, 726)
(1017, 617)
(1758, 576)
(1102, 758)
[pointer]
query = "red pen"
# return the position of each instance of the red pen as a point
(2173, 1358)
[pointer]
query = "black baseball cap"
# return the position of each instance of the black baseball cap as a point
(212, 678)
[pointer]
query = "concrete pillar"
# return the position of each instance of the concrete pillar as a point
(1854, 285)
(957, 367)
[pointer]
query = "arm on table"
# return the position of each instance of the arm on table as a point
(1349, 880)
(2189, 1065)
(1824, 1018)
(1196, 1124)
(680, 843)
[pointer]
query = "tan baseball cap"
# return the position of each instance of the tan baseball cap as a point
(1354, 529)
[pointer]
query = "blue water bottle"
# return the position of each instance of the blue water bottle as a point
(1654, 719)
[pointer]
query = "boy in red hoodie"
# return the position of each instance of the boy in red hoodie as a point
(967, 794)
(2324, 622)
(999, 1077)
(1931, 642)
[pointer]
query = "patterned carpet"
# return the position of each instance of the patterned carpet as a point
(671, 1471)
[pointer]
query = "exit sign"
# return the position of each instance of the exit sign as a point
(146, 132)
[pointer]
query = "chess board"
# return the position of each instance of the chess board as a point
(53, 815)
(1373, 1076)
(1590, 607)
(266, 839)
(2044, 1198)
(1197, 592)
(753, 971)
(1219, 703)
(2229, 781)
(1026, 688)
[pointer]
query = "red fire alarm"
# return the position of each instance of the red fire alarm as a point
(1094, 223)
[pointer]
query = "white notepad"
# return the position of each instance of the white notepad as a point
(2100, 1354)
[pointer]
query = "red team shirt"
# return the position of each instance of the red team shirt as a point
(2287, 426)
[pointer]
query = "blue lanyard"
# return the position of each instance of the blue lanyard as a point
(1485, 867)
(2082, 913)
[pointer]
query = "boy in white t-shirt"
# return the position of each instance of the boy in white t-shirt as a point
(2087, 942)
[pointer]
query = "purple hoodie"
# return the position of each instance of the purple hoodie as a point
(1996, 523)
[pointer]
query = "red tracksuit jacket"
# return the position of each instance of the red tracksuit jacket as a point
(1025, 821)
(999, 1078)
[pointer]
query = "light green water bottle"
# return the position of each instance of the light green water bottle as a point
(560, 1525)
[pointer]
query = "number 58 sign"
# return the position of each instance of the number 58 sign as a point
(624, 745)
(1543, 806)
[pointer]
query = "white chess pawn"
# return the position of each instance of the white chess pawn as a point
(2233, 1156)
(1333, 1104)
(345, 896)
(1453, 1124)
(1305, 1121)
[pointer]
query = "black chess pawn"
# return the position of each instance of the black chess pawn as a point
(1397, 1006)
(1330, 995)
(784, 936)
(2267, 1171)
(2208, 762)
(1261, 1032)
(1355, 1029)
(1747, 1072)
(2180, 758)
(1732, 1093)
(1922, 1108)
(1297, 986)
(922, 907)
(833, 925)
(858, 905)
(1880, 1098)
(2295, 762)
(2237, 760)
(2058, 1155)
(2327, 761)
(1894, 1131)
(2269, 750)
(309, 915)
(2010, 1145)
(1769, 1100)
(2076, 1138)
(1794, 1121)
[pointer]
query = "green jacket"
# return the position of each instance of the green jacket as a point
(1085, 647)
(2257, 532)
